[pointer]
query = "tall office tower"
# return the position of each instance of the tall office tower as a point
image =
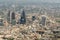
(13, 15)
(8, 16)
(33, 18)
(13, 21)
(23, 18)
(43, 20)
(11, 18)
(1, 22)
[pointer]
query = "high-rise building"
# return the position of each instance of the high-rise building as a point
(13, 15)
(13, 21)
(33, 18)
(43, 20)
(8, 16)
(11, 18)
(23, 18)
(1, 22)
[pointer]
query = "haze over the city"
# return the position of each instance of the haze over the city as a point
(49, 1)
(29, 19)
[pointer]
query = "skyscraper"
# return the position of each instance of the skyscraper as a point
(13, 21)
(33, 18)
(8, 16)
(43, 20)
(13, 15)
(11, 18)
(1, 22)
(23, 18)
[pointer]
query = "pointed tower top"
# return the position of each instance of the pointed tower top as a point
(23, 13)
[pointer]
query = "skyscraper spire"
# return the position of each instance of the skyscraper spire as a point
(23, 18)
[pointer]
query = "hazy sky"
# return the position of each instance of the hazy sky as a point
(51, 1)
(56, 1)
